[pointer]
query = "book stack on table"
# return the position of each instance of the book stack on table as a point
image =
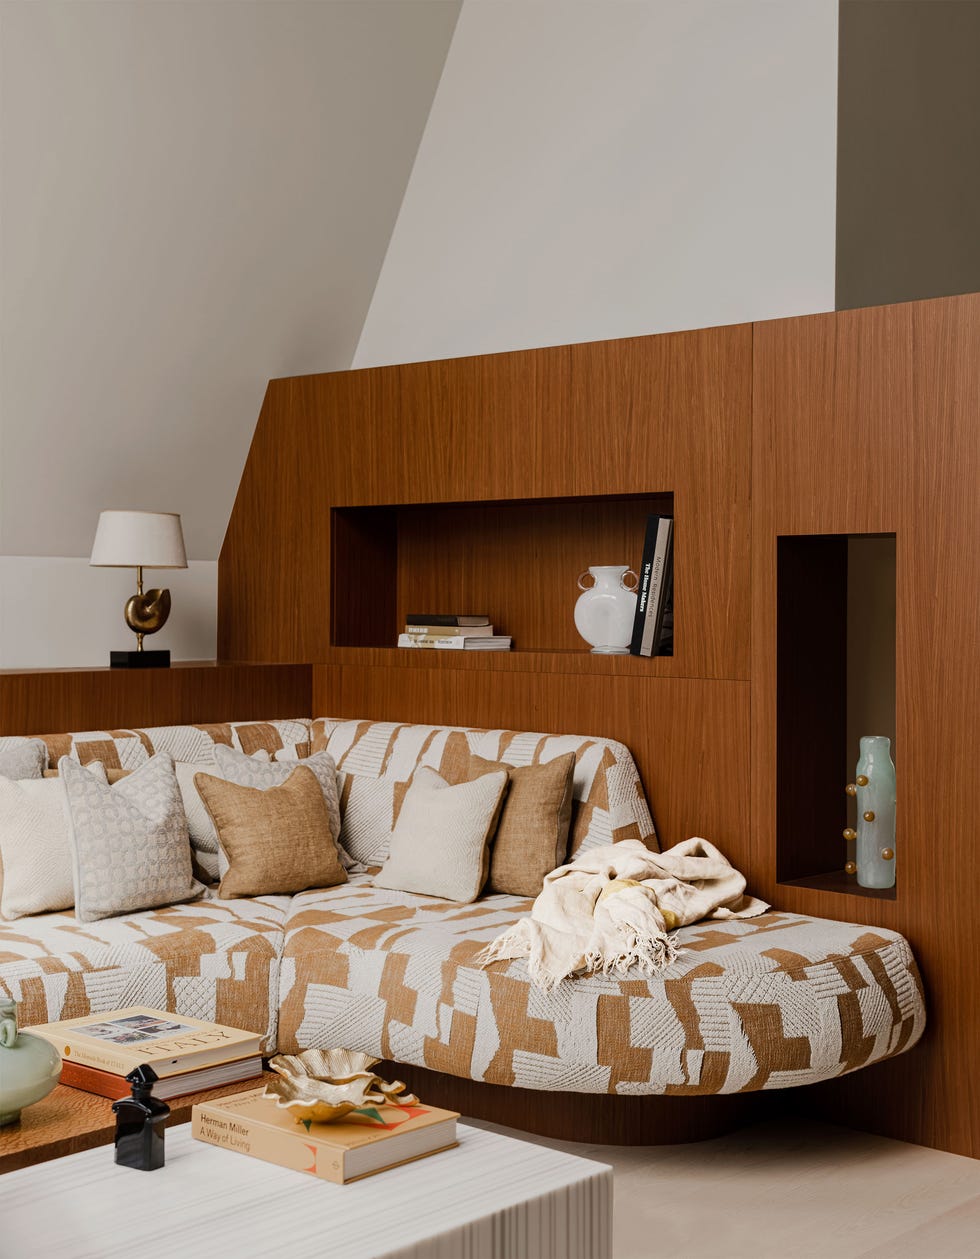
(449, 631)
(366, 1140)
(187, 1054)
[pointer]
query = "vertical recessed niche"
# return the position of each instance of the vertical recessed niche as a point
(835, 681)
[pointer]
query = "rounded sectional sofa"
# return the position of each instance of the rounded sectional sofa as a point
(749, 1004)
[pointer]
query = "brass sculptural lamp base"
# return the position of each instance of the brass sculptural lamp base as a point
(140, 539)
(145, 614)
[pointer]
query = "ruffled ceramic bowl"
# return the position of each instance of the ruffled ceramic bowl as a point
(322, 1085)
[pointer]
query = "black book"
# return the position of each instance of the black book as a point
(655, 590)
(444, 618)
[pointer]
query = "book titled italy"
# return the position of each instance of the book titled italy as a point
(655, 590)
(368, 1140)
(170, 1043)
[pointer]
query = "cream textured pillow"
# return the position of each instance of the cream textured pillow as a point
(274, 839)
(34, 848)
(439, 844)
(130, 848)
(22, 758)
(532, 834)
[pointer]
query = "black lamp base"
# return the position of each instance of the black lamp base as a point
(139, 659)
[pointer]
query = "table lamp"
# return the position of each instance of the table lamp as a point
(140, 539)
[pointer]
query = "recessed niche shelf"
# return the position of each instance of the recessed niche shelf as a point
(835, 680)
(515, 560)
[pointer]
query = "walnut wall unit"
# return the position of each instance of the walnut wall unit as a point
(495, 480)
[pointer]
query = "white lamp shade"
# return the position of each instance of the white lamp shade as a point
(128, 539)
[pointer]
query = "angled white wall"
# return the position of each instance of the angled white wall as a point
(598, 170)
(194, 197)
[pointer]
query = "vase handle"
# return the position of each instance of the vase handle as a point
(8, 1031)
(585, 574)
(636, 581)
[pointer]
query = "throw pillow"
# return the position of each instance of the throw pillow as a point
(200, 828)
(439, 844)
(130, 848)
(22, 758)
(274, 839)
(248, 771)
(35, 854)
(532, 834)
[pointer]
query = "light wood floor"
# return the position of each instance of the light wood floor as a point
(787, 1190)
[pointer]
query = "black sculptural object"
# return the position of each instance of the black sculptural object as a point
(139, 1123)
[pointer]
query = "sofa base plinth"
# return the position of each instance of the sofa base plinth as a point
(596, 1118)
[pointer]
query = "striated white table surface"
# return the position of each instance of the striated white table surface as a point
(493, 1197)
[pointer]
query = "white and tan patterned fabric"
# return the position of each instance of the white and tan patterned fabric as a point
(125, 749)
(761, 1003)
(129, 843)
(769, 1002)
(216, 960)
(608, 800)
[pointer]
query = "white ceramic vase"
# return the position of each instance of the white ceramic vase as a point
(605, 610)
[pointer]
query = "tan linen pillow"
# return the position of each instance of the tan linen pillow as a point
(532, 834)
(277, 840)
(439, 844)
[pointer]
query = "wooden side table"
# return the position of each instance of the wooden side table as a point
(69, 1120)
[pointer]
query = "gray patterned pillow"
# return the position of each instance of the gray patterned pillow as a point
(250, 771)
(129, 842)
(22, 758)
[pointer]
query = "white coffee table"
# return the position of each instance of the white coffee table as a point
(492, 1197)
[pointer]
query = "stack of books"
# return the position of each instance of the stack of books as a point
(367, 1140)
(453, 632)
(187, 1054)
(653, 624)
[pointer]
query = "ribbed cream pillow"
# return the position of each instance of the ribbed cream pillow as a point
(34, 847)
(439, 846)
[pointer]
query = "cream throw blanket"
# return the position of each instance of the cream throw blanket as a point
(612, 908)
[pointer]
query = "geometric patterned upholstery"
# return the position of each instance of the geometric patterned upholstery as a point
(760, 1003)
(608, 803)
(125, 749)
(212, 959)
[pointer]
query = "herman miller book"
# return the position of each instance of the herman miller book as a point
(370, 1139)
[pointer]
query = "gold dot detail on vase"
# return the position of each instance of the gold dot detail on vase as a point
(869, 816)
(851, 789)
(850, 834)
(850, 867)
(861, 780)
(888, 854)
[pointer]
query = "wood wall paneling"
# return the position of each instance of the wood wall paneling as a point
(678, 729)
(855, 422)
(644, 415)
(53, 701)
(866, 422)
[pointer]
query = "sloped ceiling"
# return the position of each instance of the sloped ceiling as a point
(193, 198)
(598, 170)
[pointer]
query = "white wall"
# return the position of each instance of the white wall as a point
(194, 197)
(46, 601)
(605, 169)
